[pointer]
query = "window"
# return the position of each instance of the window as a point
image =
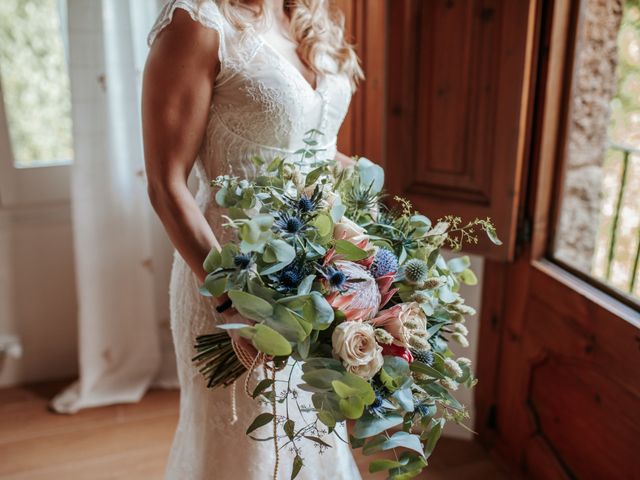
(598, 230)
(34, 81)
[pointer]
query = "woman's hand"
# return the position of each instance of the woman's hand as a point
(177, 91)
(344, 161)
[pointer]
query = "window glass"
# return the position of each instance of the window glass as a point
(35, 81)
(599, 220)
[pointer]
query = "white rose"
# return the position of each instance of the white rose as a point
(348, 230)
(355, 344)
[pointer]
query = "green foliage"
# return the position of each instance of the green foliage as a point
(35, 81)
(277, 274)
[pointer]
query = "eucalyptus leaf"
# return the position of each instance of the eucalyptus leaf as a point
(459, 264)
(352, 407)
(305, 285)
(370, 174)
(260, 421)
(425, 369)
(324, 314)
(383, 464)
(280, 251)
(227, 254)
(215, 284)
(323, 225)
(433, 436)
(404, 397)
(213, 260)
(320, 362)
(337, 211)
(370, 425)
(297, 466)
(327, 418)
(349, 251)
(493, 236)
(287, 323)
(321, 378)
(268, 341)
(262, 387)
(251, 306)
(318, 440)
(468, 277)
(289, 428)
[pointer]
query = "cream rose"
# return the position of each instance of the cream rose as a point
(348, 230)
(355, 344)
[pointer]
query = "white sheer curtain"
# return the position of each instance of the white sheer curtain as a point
(120, 253)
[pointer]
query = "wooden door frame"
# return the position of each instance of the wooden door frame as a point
(506, 283)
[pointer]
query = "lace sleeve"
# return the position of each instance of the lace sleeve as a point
(205, 13)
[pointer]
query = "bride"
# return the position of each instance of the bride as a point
(227, 80)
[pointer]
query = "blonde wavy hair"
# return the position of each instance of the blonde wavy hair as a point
(315, 25)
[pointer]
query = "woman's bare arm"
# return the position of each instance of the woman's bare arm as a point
(177, 90)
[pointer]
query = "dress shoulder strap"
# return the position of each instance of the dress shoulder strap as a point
(205, 12)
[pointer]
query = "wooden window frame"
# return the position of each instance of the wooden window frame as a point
(541, 186)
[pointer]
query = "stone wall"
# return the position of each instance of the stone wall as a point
(594, 86)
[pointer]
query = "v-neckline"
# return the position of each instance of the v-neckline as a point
(290, 64)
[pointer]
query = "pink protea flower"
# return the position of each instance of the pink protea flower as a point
(384, 285)
(362, 299)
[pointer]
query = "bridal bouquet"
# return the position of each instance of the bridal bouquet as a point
(324, 274)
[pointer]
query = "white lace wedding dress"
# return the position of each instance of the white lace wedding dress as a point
(262, 105)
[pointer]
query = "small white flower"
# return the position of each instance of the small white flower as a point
(382, 336)
(464, 361)
(461, 339)
(460, 328)
(449, 383)
(457, 317)
(452, 368)
(465, 309)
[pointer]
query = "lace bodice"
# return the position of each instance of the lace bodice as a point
(262, 105)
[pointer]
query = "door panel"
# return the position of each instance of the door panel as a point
(567, 392)
(362, 132)
(458, 92)
(564, 402)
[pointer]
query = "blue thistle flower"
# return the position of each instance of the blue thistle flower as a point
(337, 278)
(305, 204)
(291, 276)
(384, 263)
(416, 271)
(290, 224)
(377, 407)
(425, 357)
(425, 410)
(242, 260)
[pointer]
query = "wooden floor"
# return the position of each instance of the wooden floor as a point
(132, 441)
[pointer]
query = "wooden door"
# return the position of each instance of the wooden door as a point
(559, 396)
(362, 132)
(457, 108)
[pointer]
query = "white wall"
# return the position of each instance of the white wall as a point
(473, 297)
(37, 295)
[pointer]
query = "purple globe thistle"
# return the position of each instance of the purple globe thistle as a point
(384, 263)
